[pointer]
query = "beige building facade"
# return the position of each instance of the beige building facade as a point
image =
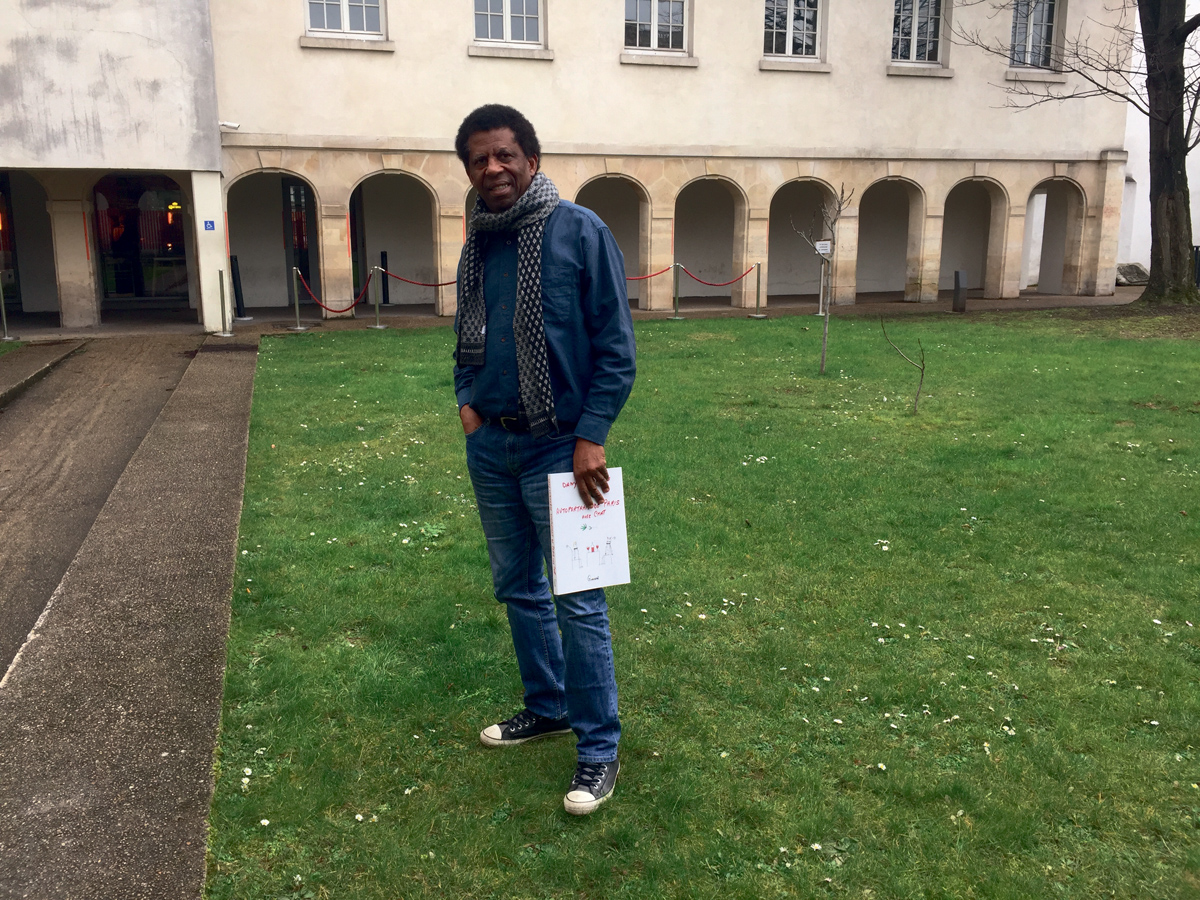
(705, 133)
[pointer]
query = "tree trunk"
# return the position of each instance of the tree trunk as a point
(1172, 275)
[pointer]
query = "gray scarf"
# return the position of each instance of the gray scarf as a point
(528, 218)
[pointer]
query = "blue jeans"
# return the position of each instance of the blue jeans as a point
(563, 645)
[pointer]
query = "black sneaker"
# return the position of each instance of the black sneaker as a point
(524, 726)
(592, 785)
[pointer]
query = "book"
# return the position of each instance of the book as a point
(589, 548)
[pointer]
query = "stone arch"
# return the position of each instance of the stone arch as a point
(974, 233)
(1051, 255)
(273, 225)
(395, 212)
(623, 203)
(27, 264)
(710, 234)
(794, 267)
(891, 230)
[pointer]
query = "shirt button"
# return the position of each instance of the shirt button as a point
(502, 306)
(504, 372)
(508, 242)
(502, 340)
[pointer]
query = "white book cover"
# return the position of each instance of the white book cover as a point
(588, 547)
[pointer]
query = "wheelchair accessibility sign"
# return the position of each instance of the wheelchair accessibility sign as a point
(210, 225)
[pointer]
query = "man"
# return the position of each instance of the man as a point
(545, 361)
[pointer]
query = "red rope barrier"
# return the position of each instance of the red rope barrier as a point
(713, 284)
(418, 283)
(359, 300)
(651, 275)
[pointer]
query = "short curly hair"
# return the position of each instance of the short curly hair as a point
(493, 116)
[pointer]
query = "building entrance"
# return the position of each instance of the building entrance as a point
(140, 235)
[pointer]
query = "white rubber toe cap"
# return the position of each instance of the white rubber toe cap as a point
(491, 736)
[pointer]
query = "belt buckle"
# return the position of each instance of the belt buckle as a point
(505, 420)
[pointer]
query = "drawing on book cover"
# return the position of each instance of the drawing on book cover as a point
(589, 547)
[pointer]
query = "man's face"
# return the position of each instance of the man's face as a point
(499, 170)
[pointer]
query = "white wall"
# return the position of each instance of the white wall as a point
(35, 244)
(618, 204)
(256, 238)
(585, 99)
(794, 266)
(883, 238)
(704, 237)
(1031, 249)
(109, 84)
(965, 235)
(398, 218)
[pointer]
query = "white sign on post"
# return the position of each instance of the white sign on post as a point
(824, 247)
(588, 547)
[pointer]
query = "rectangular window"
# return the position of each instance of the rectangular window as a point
(353, 16)
(507, 20)
(1033, 33)
(654, 24)
(916, 30)
(791, 28)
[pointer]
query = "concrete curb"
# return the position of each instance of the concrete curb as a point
(109, 713)
(27, 365)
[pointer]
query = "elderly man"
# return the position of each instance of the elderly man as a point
(545, 361)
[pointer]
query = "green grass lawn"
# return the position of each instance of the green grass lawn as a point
(864, 654)
(6, 347)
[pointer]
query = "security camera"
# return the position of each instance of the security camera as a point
(232, 126)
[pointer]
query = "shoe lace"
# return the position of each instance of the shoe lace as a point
(588, 775)
(522, 719)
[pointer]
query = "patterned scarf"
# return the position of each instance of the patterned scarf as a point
(528, 218)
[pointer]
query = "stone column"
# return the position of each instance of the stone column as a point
(915, 270)
(1100, 245)
(845, 257)
(997, 246)
(931, 257)
(755, 251)
(75, 263)
(207, 217)
(337, 274)
(1013, 260)
(451, 229)
(660, 292)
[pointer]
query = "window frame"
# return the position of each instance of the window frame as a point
(1052, 48)
(944, 8)
(628, 51)
(508, 40)
(818, 36)
(345, 33)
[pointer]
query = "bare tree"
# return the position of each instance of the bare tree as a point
(904, 356)
(1158, 74)
(831, 210)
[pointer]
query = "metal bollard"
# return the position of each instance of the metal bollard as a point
(8, 338)
(677, 317)
(387, 288)
(383, 278)
(960, 299)
(224, 332)
(296, 292)
(758, 313)
(235, 276)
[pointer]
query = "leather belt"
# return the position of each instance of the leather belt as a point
(518, 425)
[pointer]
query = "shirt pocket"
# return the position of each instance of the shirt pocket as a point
(560, 293)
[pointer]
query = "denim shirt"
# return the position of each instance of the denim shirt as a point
(585, 313)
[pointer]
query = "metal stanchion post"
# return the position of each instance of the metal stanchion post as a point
(239, 303)
(224, 332)
(296, 290)
(677, 317)
(377, 326)
(8, 338)
(758, 313)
